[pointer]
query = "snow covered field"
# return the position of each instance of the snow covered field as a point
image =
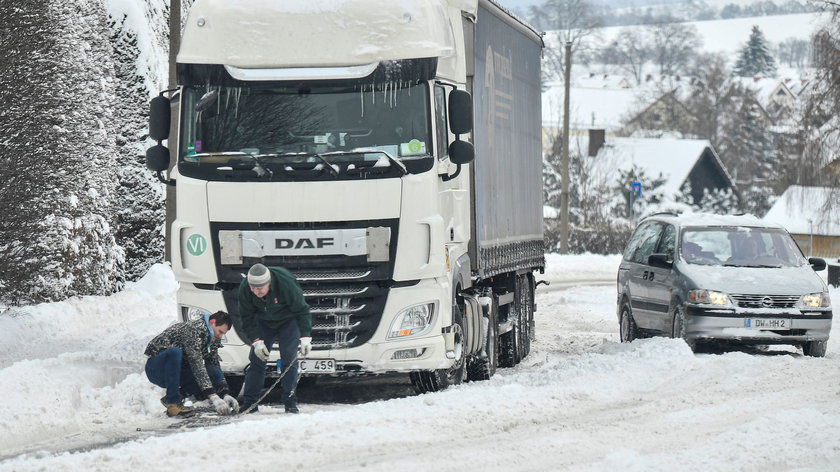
(73, 397)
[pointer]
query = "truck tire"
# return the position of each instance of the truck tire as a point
(509, 350)
(482, 366)
(440, 379)
(235, 384)
(526, 314)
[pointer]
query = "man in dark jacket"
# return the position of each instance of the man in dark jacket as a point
(272, 308)
(184, 359)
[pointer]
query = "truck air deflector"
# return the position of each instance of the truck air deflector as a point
(302, 73)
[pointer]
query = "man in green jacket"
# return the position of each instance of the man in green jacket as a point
(272, 308)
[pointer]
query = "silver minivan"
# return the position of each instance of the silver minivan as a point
(706, 278)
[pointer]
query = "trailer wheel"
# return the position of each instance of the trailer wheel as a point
(509, 350)
(526, 315)
(482, 366)
(436, 380)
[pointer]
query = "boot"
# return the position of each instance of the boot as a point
(179, 410)
(291, 406)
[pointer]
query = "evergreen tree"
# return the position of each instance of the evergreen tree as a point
(750, 153)
(56, 184)
(754, 58)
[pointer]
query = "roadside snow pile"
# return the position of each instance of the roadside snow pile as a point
(581, 267)
(69, 366)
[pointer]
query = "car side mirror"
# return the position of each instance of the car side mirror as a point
(660, 260)
(817, 263)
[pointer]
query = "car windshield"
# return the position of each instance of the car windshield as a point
(740, 247)
(304, 133)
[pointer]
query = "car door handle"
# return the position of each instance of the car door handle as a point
(648, 275)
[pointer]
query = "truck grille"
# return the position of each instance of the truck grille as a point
(343, 315)
(346, 294)
(764, 301)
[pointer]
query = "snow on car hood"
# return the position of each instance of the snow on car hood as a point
(753, 280)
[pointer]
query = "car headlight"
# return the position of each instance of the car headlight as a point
(412, 321)
(814, 300)
(189, 313)
(708, 297)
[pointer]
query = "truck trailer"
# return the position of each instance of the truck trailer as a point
(387, 153)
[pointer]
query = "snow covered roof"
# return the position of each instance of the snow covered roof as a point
(595, 107)
(807, 210)
(673, 158)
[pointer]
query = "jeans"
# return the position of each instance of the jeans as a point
(170, 370)
(288, 338)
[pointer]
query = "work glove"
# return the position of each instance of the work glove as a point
(220, 405)
(305, 346)
(232, 404)
(260, 350)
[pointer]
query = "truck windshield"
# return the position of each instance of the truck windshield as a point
(740, 247)
(305, 133)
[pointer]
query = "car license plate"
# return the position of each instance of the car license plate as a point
(317, 366)
(768, 323)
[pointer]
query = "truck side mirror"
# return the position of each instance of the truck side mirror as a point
(460, 112)
(157, 158)
(461, 152)
(159, 118)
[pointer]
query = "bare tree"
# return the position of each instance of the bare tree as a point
(566, 21)
(673, 45)
(629, 51)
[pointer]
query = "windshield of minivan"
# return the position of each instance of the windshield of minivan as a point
(740, 247)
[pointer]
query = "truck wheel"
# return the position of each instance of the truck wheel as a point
(436, 380)
(526, 315)
(482, 366)
(815, 348)
(627, 325)
(235, 384)
(679, 327)
(509, 353)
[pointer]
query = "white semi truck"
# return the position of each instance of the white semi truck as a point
(387, 153)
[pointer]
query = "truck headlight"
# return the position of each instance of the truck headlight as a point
(814, 300)
(708, 297)
(189, 313)
(412, 321)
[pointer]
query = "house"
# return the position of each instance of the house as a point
(666, 113)
(812, 216)
(682, 163)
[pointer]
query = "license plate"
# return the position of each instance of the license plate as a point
(768, 323)
(317, 366)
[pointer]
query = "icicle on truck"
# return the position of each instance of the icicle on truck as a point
(387, 153)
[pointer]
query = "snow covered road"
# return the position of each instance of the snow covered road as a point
(580, 401)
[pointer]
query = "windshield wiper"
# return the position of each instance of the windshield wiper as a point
(394, 161)
(327, 163)
(259, 168)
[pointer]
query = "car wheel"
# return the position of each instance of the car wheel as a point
(679, 327)
(815, 348)
(627, 325)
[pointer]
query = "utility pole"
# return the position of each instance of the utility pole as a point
(174, 46)
(564, 189)
(174, 38)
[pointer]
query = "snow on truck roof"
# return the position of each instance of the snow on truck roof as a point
(317, 33)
